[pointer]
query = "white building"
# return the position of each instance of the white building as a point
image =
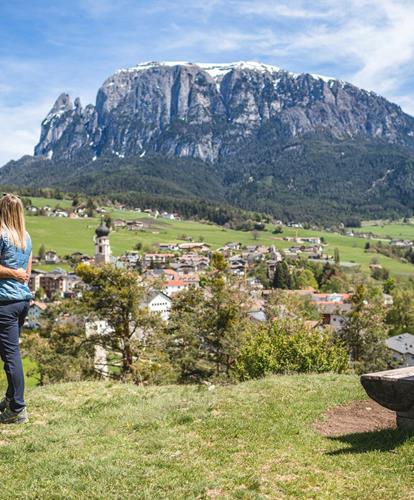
(159, 303)
(174, 286)
(402, 347)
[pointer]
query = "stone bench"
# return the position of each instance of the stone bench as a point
(393, 389)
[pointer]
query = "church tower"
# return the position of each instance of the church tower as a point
(102, 247)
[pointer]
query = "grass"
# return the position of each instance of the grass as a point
(51, 202)
(393, 230)
(254, 440)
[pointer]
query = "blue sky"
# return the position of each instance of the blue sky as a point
(47, 47)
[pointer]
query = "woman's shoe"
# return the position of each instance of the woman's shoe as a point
(12, 417)
(4, 403)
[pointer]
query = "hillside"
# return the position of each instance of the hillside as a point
(297, 146)
(70, 235)
(253, 440)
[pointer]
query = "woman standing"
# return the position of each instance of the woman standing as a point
(15, 295)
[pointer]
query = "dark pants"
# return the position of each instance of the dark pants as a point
(12, 316)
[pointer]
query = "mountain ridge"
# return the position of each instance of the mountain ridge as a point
(253, 135)
(206, 110)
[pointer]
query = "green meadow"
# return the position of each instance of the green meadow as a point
(390, 231)
(253, 440)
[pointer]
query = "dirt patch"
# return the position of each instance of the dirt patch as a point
(358, 416)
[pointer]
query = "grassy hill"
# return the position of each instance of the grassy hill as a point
(69, 235)
(252, 440)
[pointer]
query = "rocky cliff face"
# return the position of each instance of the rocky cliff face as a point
(208, 111)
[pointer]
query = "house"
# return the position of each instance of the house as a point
(256, 312)
(166, 215)
(194, 246)
(51, 257)
(159, 302)
(401, 243)
(131, 258)
(237, 266)
(34, 280)
(135, 225)
(73, 282)
(402, 347)
(232, 246)
(119, 224)
(53, 283)
(157, 258)
(191, 280)
(34, 315)
(168, 246)
(171, 274)
(314, 240)
(174, 286)
(79, 257)
(60, 213)
(193, 263)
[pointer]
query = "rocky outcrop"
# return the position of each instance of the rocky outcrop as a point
(207, 111)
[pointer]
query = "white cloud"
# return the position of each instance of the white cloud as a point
(20, 129)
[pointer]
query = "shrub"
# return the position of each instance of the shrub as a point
(290, 345)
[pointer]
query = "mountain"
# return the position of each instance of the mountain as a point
(209, 111)
(254, 135)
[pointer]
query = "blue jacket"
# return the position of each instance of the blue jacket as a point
(15, 258)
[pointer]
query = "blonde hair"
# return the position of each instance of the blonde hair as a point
(12, 220)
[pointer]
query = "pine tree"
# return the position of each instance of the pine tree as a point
(365, 331)
(42, 252)
(282, 278)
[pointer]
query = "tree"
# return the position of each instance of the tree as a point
(305, 279)
(187, 350)
(337, 257)
(134, 334)
(59, 349)
(41, 252)
(365, 331)
(400, 317)
(332, 279)
(108, 221)
(389, 285)
(282, 278)
(207, 326)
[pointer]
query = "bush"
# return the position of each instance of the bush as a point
(290, 345)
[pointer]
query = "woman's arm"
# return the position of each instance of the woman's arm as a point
(29, 267)
(15, 274)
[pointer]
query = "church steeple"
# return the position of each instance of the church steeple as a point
(102, 247)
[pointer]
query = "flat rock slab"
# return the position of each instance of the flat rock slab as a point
(393, 389)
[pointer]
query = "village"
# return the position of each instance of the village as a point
(179, 266)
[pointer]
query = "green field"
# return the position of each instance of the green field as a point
(390, 231)
(51, 202)
(254, 440)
